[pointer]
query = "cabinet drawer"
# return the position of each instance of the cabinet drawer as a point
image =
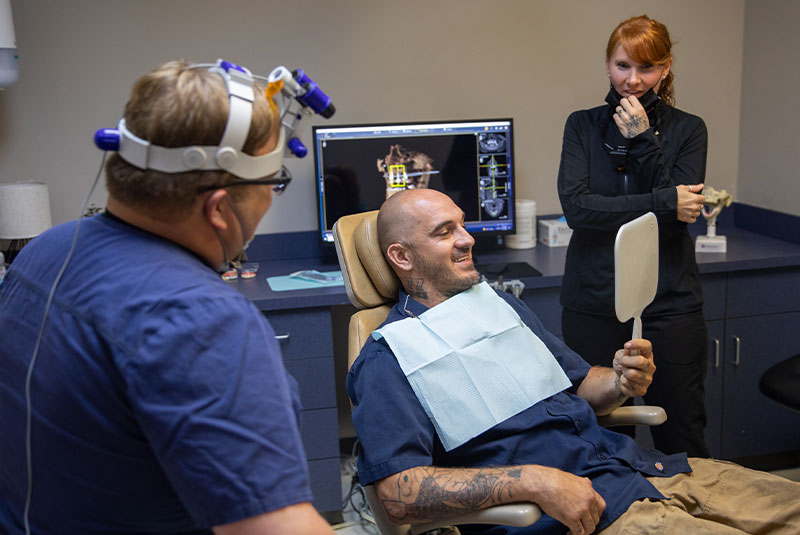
(751, 293)
(303, 333)
(320, 432)
(326, 484)
(315, 380)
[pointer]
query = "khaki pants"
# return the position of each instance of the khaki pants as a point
(718, 498)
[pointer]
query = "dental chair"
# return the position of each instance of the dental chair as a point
(372, 288)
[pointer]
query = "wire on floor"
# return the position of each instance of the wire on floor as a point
(356, 499)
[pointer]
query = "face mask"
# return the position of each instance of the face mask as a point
(648, 100)
(234, 263)
(619, 152)
(242, 257)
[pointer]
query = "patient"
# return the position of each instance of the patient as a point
(585, 478)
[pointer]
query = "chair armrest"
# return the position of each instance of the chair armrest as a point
(634, 415)
(510, 514)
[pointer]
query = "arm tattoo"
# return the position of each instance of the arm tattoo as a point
(415, 288)
(429, 493)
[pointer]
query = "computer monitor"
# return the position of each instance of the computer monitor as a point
(360, 166)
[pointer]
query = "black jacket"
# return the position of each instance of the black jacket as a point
(597, 199)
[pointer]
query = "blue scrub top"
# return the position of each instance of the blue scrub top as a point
(160, 400)
(561, 431)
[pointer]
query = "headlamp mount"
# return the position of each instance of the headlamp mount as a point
(228, 155)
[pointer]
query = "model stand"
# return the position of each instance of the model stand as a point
(711, 243)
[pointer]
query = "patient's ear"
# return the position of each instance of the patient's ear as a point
(400, 257)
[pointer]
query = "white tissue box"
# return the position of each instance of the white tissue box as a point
(554, 233)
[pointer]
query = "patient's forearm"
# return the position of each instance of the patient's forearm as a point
(426, 493)
(601, 389)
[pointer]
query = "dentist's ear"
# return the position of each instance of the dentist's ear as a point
(212, 209)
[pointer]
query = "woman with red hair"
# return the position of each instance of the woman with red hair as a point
(637, 154)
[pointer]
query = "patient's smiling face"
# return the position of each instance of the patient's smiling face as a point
(440, 246)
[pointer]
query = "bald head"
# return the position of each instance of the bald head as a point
(421, 233)
(400, 214)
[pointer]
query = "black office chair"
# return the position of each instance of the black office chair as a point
(781, 383)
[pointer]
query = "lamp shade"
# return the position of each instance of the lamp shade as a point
(24, 210)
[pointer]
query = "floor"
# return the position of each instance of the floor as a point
(356, 519)
(356, 513)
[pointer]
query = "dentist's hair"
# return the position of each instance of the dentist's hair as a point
(176, 105)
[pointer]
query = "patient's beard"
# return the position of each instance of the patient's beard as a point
(448, 282)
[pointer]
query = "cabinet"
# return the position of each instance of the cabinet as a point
(753, 318)
(545, 302)
(305, 339)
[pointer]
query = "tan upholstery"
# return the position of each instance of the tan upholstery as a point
(368, 279)
(362, 323)
(369, 253)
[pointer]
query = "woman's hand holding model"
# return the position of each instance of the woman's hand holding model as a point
(690, 202)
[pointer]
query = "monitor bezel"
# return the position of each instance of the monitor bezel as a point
(318, 179)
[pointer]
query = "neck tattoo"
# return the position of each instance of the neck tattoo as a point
(415, 288)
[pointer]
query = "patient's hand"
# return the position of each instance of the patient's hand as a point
(634, 371)
(570, 499)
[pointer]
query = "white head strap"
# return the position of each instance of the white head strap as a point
(228, 155)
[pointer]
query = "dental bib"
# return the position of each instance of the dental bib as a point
(473, 363)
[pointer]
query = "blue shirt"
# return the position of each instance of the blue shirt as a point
(560, 431)
(160, 399)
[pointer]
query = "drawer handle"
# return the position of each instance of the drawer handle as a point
(716, 353)
(281, 337)
(737, 354)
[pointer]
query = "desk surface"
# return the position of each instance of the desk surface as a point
(746, 251)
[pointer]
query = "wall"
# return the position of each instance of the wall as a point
(533, 60)
(769, 137)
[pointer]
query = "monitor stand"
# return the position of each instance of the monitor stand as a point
(488, 243)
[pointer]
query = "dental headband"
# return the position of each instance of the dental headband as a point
(227, 156)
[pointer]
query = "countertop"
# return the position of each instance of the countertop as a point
(746, 251)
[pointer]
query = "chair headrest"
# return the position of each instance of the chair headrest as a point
(368, 279)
